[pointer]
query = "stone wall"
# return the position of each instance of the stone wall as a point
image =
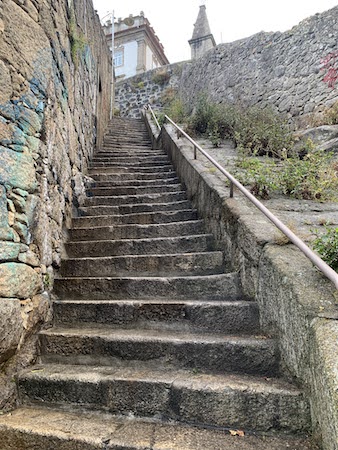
(279, 69)
(283, 70)
(132, 94)
(54, 105)
(297, 304)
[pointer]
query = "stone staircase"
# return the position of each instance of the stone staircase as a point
(153, 344)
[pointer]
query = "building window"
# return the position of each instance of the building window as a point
(118, 58)
(155, 62)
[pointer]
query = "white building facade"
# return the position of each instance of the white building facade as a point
(136, 46)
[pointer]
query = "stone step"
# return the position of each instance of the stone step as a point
(132, 209)
(127, 134)
(227, 401)
(198, 243)
(135, 183)
(113, 200)
(168, 168)
(133, 190)
(211, 287)
(133, 231)
(41, 428)
(131, 159)
(205, 263)
(135, 149)
(113, 347)
(150, 153)
(227, 317)
(125, 163)
(123, 143)
(136, 218)
(139, 176)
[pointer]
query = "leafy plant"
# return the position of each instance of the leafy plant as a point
(327, 246)
(260, 131)
(260, 174)
(312, 178)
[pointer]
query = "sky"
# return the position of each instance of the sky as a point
(173, 20)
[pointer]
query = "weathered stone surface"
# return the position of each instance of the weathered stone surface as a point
(325, 136)
(35, 312)
(10, 327)
(18, 281)
(52, 114)
(9, 251)
(29, 258)
(26, 428)
(5, 83)
(17, 169)
(6, 234)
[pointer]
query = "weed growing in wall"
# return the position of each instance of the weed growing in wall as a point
(327, 246)
(78, 41)
(161, 77)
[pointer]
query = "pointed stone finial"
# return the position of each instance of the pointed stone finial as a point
(202, 40)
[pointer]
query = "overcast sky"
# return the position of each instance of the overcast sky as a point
(173, 20)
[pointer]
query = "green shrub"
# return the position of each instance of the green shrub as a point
(327, 246)
(312, 178)
(261, 175)
(315, 177)
(260, 131)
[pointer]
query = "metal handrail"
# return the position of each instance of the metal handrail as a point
(313, 257)
(153, 115)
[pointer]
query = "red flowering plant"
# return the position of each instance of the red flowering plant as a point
(330, 64)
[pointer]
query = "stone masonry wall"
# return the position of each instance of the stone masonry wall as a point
(53, 94)
(279, 69)
(132, 94)
(283, 70)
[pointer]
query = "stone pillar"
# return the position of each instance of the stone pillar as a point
(141, 56)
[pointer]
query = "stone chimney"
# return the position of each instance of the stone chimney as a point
(202, 40)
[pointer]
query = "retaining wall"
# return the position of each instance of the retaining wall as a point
(54, 106)
(297, 304)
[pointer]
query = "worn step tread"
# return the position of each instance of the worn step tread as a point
(132, 190)
(215, 353)
(141, 218)
(104, 210)
(175, 337)
(211, 287)
(198, 263)
(189, 396)
(230, 317)
(29, 428)
(199, 242)
(136, 231)
(134, 199)
(141, 176)
(134, 183)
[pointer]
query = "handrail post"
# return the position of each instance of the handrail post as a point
(231, 189)
(195, 152)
